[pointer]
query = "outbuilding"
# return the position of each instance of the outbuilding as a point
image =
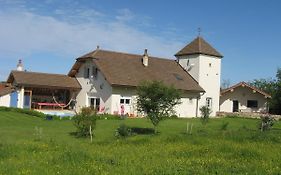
(243, 97)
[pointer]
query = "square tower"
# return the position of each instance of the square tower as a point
(203, 63)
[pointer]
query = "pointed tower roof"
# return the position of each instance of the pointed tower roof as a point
(199, 46)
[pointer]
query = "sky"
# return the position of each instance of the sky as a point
(48, 35)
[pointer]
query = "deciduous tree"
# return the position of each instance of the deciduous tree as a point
(157, 100)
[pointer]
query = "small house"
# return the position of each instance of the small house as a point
(243, 98)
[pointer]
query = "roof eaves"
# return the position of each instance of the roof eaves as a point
(247, 85)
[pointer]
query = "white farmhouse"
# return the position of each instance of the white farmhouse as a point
(109, 79)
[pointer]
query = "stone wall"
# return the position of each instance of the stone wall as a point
(246, 115)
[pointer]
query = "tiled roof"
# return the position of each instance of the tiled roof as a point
(35, 79)
(123, 69)
(243, 84)
(199, 46)
(5, 89)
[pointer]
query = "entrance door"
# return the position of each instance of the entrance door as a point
(27, 99)
(235, 107)
(95, 103)
(125, 105)
(14, 99)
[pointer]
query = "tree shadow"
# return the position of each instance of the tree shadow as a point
(73, 134)
(142, 131)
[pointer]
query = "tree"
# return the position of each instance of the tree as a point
(85, 122)
(272, 87)
(157, 100)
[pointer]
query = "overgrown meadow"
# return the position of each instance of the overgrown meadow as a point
(31, 145)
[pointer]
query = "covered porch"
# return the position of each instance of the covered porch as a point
(48, 98)
(43, 91)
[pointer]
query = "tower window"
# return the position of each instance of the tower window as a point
(210, 64)
(209, 102)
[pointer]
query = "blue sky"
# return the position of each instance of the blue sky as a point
(48, 35)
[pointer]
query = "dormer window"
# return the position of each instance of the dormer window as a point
(87, 72)
(94, 72)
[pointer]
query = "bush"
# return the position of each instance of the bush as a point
(205, 114)
(84, 121)
(123, 131)
(266, 123)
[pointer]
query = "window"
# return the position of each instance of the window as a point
(209, 102)
(252, 103)
(94, 102)
(122, 101)
(94, 72)
(126, 101)
(87, 72)
(178, 77)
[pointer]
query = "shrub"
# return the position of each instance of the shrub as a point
(205, 114)
(84, 121)
(266, 123)
(123, 131)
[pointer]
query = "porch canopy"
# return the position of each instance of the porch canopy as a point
(43, 89)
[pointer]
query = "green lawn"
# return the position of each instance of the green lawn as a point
(240, 149)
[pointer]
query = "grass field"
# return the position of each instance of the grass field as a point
(30, 145)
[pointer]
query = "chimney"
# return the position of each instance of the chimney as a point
(20, 65)
(145, 58)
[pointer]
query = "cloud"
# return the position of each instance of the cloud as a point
(124, 15)
(25, 32)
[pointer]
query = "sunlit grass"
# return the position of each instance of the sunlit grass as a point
(239, 149)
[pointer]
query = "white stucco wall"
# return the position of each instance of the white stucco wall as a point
(5, 100)
(93, 87)
(193, 65)
(186, 109)
(206, 70)
(242, 95)
(20, 97)
(124, 93)
(188, 105)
